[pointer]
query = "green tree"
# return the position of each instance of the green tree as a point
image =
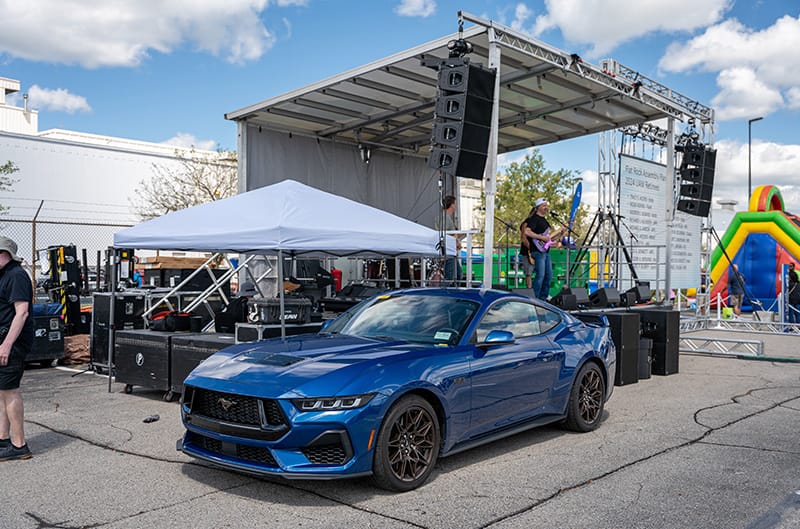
(200, 178)
(519, 187)
(6, 170)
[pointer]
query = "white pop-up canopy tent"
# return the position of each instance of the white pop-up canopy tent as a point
(287, 217)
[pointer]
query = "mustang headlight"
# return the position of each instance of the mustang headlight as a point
(332, 403)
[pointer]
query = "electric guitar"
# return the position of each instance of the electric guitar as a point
(543, 246)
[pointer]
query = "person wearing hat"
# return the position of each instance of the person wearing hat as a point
(539, 237)
(16, 333)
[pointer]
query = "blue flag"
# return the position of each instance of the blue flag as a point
(576, 201)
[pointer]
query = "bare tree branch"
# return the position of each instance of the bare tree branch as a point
(201, 178)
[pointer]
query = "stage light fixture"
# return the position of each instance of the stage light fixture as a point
(459, 47)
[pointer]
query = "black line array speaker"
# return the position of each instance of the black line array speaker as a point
(697, 179)
(663, 327)
(605, 297)
(461, 129)
(625, 334)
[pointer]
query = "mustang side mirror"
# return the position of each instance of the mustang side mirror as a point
(325, 325)
(498, 338)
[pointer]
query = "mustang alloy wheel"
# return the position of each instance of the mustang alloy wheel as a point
(585, 408)
(407, 445)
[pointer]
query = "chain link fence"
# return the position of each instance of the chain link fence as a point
(33, 237)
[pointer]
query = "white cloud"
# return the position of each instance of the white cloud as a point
(122, 33)
(772, 164)
(605, 25)
(184, 139)
(743, 95)
(416, 8)
(57, 100)
(758, 69)
(521, 15)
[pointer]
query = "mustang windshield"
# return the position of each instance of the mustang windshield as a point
(414, 318)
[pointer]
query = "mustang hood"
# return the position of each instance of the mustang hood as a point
(273, 368)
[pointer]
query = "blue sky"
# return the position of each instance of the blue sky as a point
(169, 71)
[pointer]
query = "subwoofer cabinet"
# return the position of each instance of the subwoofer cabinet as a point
(625, 334)
(663, 327)
(189, 350)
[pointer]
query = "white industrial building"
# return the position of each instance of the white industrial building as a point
(76, 187)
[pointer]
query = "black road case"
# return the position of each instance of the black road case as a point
(142, 358)
(188, 350)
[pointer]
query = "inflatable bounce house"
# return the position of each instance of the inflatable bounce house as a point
(760, 241)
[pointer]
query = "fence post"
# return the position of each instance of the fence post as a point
(34, 254)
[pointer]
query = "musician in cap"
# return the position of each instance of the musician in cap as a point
(540, 237)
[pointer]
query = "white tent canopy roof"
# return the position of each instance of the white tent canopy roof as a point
(287, 216)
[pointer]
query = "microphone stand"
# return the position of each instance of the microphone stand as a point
(508, 228)
(633, 237)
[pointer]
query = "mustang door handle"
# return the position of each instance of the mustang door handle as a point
(547, 355)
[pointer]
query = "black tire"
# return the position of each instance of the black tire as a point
(169, 396)
(407, 446)
(586, 400)
(128, 389)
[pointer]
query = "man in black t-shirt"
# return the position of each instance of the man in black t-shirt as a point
(540, 238)
(16, 335)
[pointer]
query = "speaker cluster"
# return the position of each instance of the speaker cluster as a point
(697, 178)
(460, 138)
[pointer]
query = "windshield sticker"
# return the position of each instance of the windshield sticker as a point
(442, 336)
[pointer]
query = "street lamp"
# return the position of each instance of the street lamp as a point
(749, 157)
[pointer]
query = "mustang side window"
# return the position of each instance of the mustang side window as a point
(516, 317)
(547, 319)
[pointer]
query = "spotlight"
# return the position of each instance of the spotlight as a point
(459, 47)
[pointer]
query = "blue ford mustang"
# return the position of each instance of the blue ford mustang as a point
(396, 382)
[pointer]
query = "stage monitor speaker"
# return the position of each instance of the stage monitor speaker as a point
(627, 299)
(565, 301)
(698, 208)
(625, 335)
(581, 296)
(605, 297)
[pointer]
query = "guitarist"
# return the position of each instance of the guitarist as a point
(540, 238)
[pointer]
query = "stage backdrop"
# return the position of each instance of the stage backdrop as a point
(399, 184)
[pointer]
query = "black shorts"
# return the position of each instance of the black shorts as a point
(11, 374)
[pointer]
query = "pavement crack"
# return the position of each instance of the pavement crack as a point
(679, 446)
(112, 449)
(749, 447)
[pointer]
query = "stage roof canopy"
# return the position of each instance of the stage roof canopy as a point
(546, 95)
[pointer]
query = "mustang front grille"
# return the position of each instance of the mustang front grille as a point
(236, 409)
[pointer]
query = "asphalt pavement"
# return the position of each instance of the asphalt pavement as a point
(713, 446)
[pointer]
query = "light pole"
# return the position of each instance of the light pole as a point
(749, 157)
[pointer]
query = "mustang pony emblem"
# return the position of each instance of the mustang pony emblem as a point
(225, 403)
